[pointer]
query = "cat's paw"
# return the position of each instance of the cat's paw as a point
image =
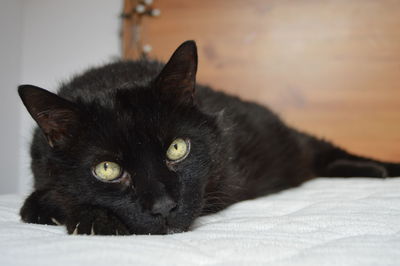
(39, 209)
(95, 221)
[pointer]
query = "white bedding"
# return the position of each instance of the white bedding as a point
(323, 222)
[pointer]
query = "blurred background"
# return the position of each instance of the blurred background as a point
(330, 67)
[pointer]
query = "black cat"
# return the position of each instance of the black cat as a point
(135, 147)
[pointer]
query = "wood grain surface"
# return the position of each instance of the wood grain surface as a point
(331, 68)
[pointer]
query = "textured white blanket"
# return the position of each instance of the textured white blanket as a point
(323, 222)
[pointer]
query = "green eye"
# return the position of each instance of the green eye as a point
(107, 171)
(178, 150)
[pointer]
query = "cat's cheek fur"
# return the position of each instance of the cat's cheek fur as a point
(190, 203)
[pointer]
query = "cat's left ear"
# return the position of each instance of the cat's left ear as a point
(57, 117)
(178, 78)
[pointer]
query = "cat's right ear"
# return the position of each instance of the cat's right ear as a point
(57, 117)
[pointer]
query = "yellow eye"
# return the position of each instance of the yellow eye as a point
(107, 171)
(178, 150)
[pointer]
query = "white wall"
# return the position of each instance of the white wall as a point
(58, 39)
(10, 57)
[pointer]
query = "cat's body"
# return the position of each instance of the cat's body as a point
(129, 113)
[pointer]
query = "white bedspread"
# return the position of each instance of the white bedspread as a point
(323, 222)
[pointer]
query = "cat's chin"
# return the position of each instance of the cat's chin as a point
(160, 226)
(167, 230)
(173, 230)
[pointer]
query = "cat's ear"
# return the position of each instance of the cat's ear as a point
(57, 117)
(178, 77)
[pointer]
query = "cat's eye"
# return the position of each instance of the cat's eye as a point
(107, 171)
(178, 150)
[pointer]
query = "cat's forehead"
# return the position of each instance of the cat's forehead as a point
(139, 115)
(121, 101)
(126, 133)
(143, 97)
(135, 114)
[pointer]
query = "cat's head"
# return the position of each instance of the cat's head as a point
(145, 152)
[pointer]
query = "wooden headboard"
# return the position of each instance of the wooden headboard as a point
(331, 67)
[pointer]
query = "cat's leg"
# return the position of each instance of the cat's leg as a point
(331, 161)
(42, 207)
(351, 168)
(91, 220)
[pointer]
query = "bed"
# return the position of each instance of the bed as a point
(323, 222)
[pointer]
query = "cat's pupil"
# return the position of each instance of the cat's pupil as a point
(176, 146)
(105, 166)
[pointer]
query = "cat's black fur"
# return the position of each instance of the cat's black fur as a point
(129, 112)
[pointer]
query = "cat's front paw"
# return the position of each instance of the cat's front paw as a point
(95, 221)
(39, 208)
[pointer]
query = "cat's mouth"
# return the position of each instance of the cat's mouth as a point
(177, 221)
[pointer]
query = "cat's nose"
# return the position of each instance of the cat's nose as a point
(163, 206)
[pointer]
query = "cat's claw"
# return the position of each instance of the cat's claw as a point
(95, 221)
(92, 233)
(54, 220)
(75, 232)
